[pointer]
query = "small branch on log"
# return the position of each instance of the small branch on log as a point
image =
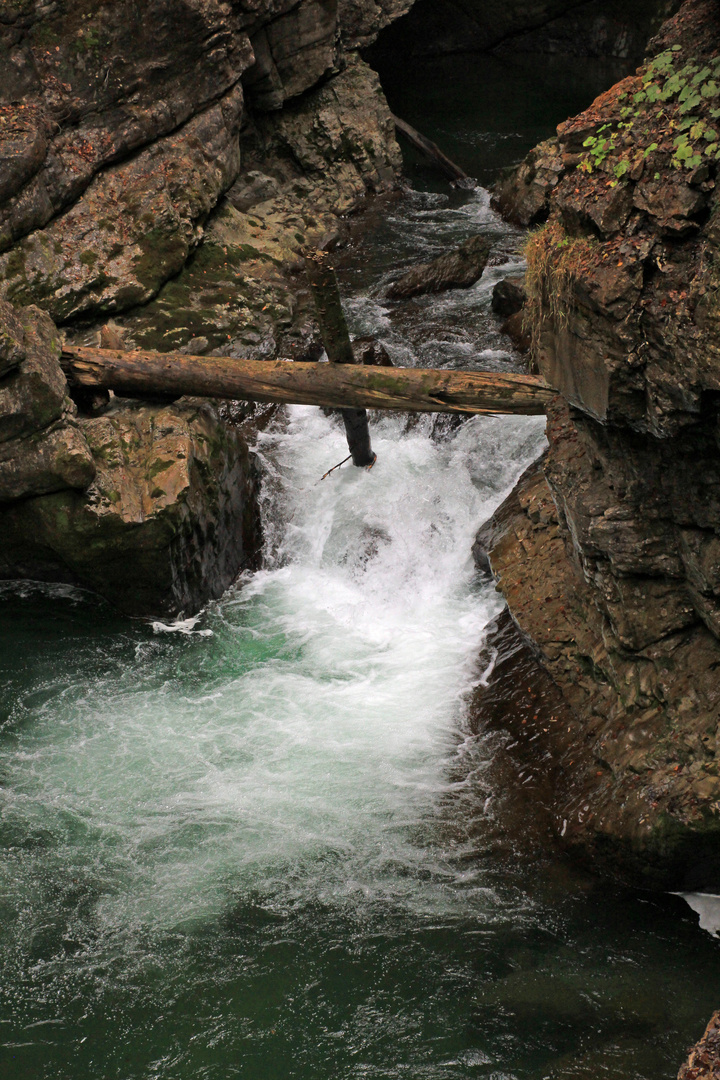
(336, 339)
(336, 386)
(433, 153)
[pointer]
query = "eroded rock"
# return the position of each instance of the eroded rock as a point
(458, 270)
(134, 226)
(168, 522)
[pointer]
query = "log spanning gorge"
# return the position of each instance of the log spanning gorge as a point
(332, 773)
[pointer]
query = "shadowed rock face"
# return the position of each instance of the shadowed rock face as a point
(606, 28)
(167, 523)
(610, 555)
(41, 447)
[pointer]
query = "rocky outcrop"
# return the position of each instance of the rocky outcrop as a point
(609, 555)
(134, 225)
(121, 130)
(607, 28)
(703, 1062)
(151, 505)
(116, 178)
(41, 446)
(457, 270)
(167, 523)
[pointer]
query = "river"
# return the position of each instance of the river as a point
(263, 843)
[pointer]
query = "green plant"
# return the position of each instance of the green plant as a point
(555, 261)
(673, 103)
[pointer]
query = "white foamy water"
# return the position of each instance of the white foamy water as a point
(308, 738)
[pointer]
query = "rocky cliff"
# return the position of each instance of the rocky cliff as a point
(603, 28)
(609, 553)
(161, 166)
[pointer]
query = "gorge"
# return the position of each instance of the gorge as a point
(368, 808)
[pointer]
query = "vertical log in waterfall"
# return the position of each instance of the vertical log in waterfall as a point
(336, 339)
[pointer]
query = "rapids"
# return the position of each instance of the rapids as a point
(263, 843)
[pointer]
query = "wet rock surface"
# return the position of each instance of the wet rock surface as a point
(41, 446)
(607, 553)
(120, 132)
(457, 270)
(166, 524)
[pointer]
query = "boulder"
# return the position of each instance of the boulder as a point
(523, 195)
(34, 394)
(167, 524)
(50, 460)
(458, 270)
(12, 348)
(509, 296)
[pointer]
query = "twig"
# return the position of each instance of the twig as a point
(337, 467)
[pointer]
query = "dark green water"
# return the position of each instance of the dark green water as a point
(265, 844)
(487, 112)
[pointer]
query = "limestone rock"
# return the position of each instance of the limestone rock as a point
(53, 459)
(134, 226)
(96, 85)
(12, 335)
(458, 270)
(523, 196)
(362, 20)
(509, 296)
(167, 523)
(638, 713)
(292, 53)
(34, 394)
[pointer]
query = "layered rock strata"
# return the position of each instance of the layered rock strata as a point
(602, 28)
(163, 165)
(609, 554)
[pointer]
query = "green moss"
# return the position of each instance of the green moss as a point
(163, 254)
(88, 258)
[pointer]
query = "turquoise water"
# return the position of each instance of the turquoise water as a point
(264, 843)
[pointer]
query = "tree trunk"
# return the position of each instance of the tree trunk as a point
(336, 339)
(336, 386)
(433, 153)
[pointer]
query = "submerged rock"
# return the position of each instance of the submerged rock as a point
(458, 270)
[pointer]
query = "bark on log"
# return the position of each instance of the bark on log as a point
(335, 386)
(433, 153)
(336, 339)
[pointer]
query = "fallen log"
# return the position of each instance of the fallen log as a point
(336, 339)
(433, 153)
(336, 386)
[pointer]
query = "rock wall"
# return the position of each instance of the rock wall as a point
(161, 166)
(609, 555)
(603, 28)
